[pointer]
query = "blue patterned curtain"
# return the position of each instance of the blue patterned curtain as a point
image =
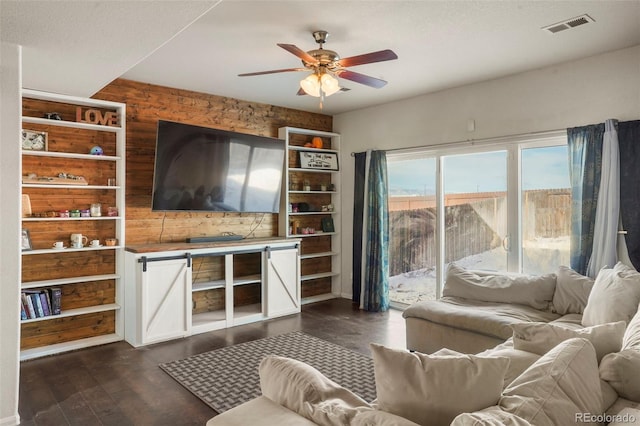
(585, 159)
(375, 295)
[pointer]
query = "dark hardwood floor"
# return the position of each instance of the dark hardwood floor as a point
(117, 384)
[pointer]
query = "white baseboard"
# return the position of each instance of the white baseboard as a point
(10, 421)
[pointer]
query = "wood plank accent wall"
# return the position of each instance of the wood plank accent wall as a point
(148, 103)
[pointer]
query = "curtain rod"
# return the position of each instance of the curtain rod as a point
(485, 141)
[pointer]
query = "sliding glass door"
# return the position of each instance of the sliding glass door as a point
(503, 208)
(546, 208)
(412, 228)
(475, 210)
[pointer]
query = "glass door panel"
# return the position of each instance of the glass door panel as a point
(412, 229)
(475, 207)
(546, 209)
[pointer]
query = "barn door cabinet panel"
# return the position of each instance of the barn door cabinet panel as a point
(73, 176)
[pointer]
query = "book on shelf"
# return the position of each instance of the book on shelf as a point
(55, 299)
(37, 304)
(44, 302)
(23, 311)
(31, 312)
(40, 303)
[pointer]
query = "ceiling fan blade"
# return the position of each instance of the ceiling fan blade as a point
(361, 78)
(271, 72)
(301, 92)
(368, 58)
(299, 53)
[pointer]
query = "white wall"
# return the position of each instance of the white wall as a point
(10, 111)
(572, 94)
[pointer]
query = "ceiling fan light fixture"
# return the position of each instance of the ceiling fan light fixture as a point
(311, 85)
(329, 84)
(316, 86)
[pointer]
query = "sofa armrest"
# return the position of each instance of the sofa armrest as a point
(304, 390)
(259, 411)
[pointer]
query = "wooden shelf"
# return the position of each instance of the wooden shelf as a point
(71, 124)
(68, 219)
(76, 312)
(309, 213)
(71, 155)
(310, 149)
(64, 281)
(319, 275)
(296, 191)
(298, 169)
(317, 234)
(44, 185)
(67, 250)
(215, 284)
(316, 255)
(28, 354)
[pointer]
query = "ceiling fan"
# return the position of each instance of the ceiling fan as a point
(326, 65)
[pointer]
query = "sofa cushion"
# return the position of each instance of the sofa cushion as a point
(622, 371)
(304, 390)
(379, 418)
(626, 417)
(433, 390)
(560, 384)
(540, 338)
(488, 318)
(259, 411)
(631, 339)
(615, 296)
(572, 291)
(531, 290)
(519, 360)
(492, 416)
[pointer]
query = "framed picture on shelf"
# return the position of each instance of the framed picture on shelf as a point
(25, 240)
(319, 160)
(34, 141)
(327, 225)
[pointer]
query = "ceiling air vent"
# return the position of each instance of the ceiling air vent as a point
(569, 23)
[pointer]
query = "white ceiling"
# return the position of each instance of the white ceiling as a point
(78, 47)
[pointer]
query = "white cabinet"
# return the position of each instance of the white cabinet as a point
(282, 282)
(165, 301)
(311, 209)
(76, 161)
(196, 288)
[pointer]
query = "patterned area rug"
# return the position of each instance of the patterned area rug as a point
(228, 377)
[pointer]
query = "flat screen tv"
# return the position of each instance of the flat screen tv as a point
(204, 169)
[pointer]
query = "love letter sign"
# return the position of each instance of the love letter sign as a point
(94, 116)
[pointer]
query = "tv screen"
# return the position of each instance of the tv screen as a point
(203, 169)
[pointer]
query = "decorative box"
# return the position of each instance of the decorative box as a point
(74, 213)
(63, 213)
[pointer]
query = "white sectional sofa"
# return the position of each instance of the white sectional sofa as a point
(570, 354)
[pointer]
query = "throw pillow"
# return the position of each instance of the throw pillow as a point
(615, 296)
(306, 391)
(433, 390)
(530, 290)
(492, 416)
(622, 370)
(561, 383)
(572, 291)
(540, 337)
(631, 339)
